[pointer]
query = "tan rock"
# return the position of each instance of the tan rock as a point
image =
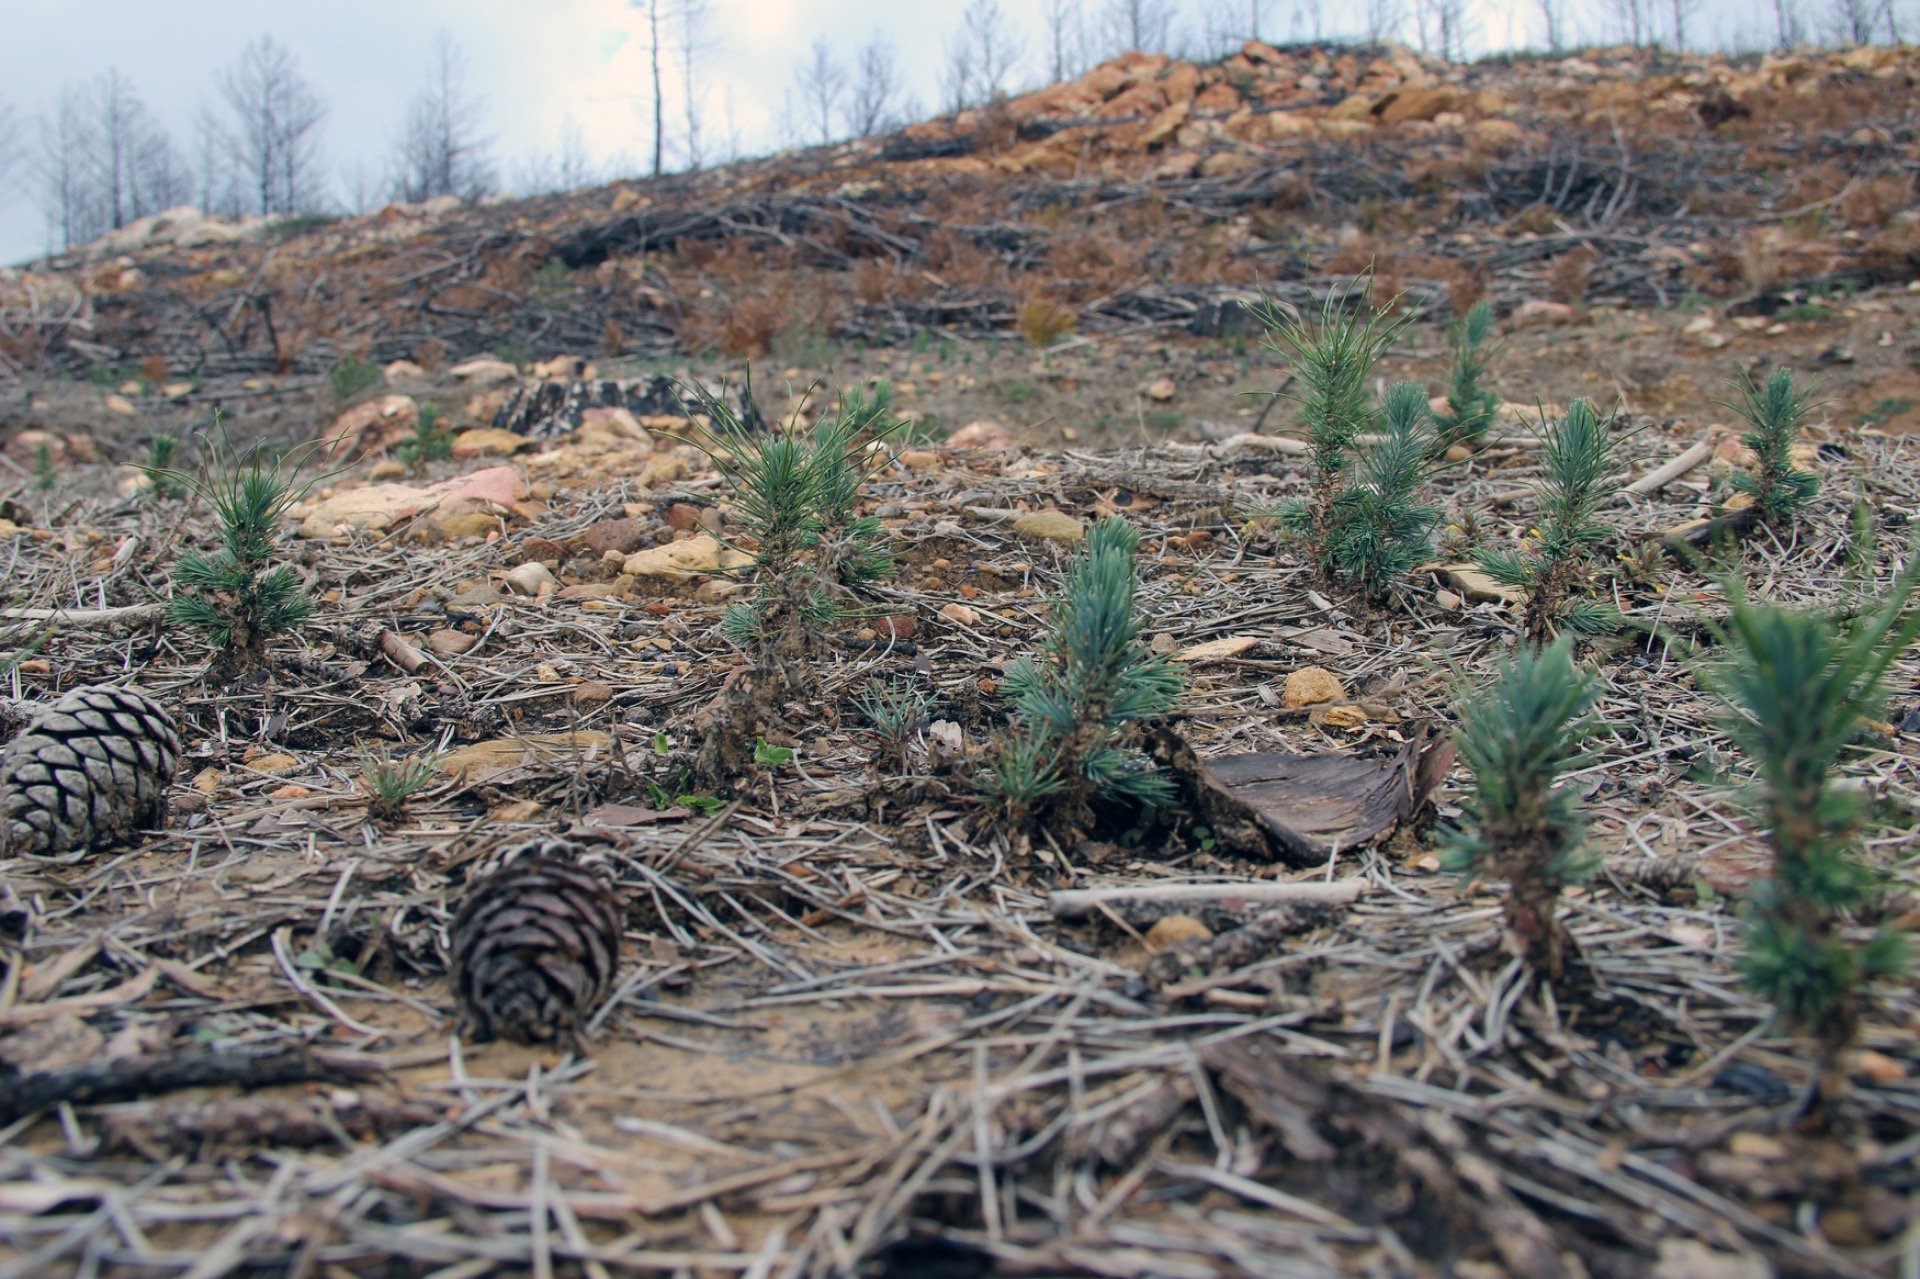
(982, 434)
(1538, 313)
(273, 763)
(387, 470)
(1176, 930)
(1281, 125)
(484, 372)
(1309, 686)
(1224, 164)
(531, 579)
(592, 693)
(403, 371)
(177, 390)
(502, 753)
(919, 460)
(681, 561)
(1218, 650)
(1497, 133)
(1357, 107)
(1480, 588)
(487, 441)
(588, 591)
(1050, 526)
(1161, 388)
(1417, 104)
(379, 506)
(450, 643)
(472, 524)
(960, 614)
(371, 426)
(1164, 125)
(1344, 130)
(121, 405)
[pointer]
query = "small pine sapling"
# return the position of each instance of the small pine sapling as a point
(44, 474)
(1519, 735)
(1580, 471)
(1796, 686)
(1380, 531)
(1471, 404)
(1076, 712)
(231, 595)
(1359, 523)
(392, 782)
(1774, 410)
(430, 442)
(162, 453)
(896, 712)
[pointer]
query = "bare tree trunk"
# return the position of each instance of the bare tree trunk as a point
(653, 56)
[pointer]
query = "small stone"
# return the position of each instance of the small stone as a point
(274, 763)
(1176, 930)
(1447, 599)
(515, 810)
(1536, 313)
(902, 627)
(1309, 686)
(679, 561)
(1219, 649)
(592, 693)
(122, 405)
(486, 441)
(1477, 586)
(1878, 1067)
(919, 460)
(588, 591)
(1050, 526)
(715, 591)
(1757, 1145)
(528, 579)
(684, 516)
(472, 524)
(1161, 388)
(961, 614)
(388, 470)
(290, 791)
(403, 371)
(450, 643)
(616, 537)
(983, 434)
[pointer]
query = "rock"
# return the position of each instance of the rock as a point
(1175, 930)
(1049, 526)
(1224, 164)
(387, 470)
(1877, 1067)
(502, 753)
(919, 460)
(450, 643)
(899, 627)
(680, 561)
(719, 590)
(610, 424)
(1481, 589)
(487, 441)
(531, 579)
(623, 536)
(403, 371)
(472, 524)
(1447, 599)
(372, 426)
(273, 763)
(1161, 388)
(961, 614)
(1357, 108)
(1417, 104)
(683, 516)
(1537, 313)
(1309, 686)
(484, 372)
(569, 368)
(592, 694)
(983, 434)
(1691, 1259)
(589, 591)
(1218, 650)
(379, 506)
(122, 405)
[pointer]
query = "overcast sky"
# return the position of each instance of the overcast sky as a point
(538, 61)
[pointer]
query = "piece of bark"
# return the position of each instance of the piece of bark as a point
(1684, 543)
(1236, 949)
(1078, 903)
(248, 1123)
(1300, 808)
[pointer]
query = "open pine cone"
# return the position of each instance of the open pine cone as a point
(90, 770)
(535, 947)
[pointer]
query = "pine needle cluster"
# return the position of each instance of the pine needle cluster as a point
(896, 712)
(794, 499)
(1580, 471)
(392, 782)
(1796, 686)
(1471, 404)
(231, 595)
(1774, 411)
(1520, 735)
(1360, 523)
(1076, 711)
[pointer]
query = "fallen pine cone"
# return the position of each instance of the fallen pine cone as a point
(535, 946)
(90, 770)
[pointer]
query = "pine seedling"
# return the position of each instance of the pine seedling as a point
(1796, 686)
(1077, 711)
(44, 474)
(430, 442)
(1520, 735)
(1580, 471)
(1774, 410)
(1471, 404)
(1379, 531)
(896, 712)
(162, 454)
(231, 595)
(392, 782)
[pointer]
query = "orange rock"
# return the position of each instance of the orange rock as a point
(1309, 686)
(371, 427)
(1417, 104)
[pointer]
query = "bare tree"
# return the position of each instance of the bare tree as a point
(62, 170)
(104, 162)
(10, 152)
(693, 42)
(276, 135)
(214, 171)
(980, 56)
(1553, 16)
(1066, 28)
(1382, 19)
(1853, 21)
(1144, 25)
(820, 80)
(568, 169)
(876, 83)
(441, 150)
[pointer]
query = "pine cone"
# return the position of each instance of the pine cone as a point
(90, 770)
(535, 947)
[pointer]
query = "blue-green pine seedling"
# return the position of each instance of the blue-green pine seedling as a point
(1774, 411)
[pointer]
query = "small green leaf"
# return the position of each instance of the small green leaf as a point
(768, 756)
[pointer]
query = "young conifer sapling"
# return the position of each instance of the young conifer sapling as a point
(1774, 411)
(1796, 686)
(1580, 472)
(1471, 404)
(1077, 712)
(1520, 735)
